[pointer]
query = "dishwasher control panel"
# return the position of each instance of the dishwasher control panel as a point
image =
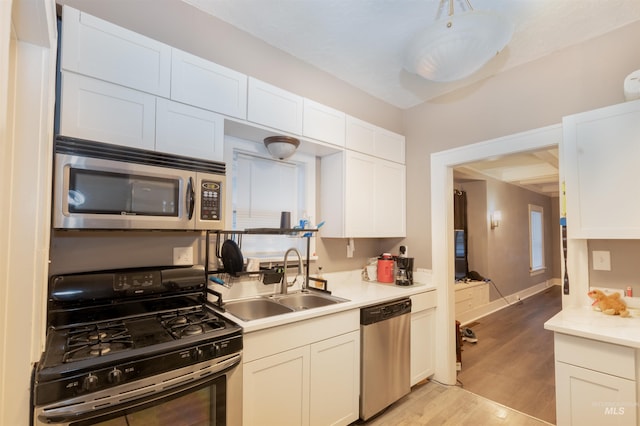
(384, 311)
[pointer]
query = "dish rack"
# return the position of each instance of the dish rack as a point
(268, 275)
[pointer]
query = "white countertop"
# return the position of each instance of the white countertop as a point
(591, 324)
(346, 285)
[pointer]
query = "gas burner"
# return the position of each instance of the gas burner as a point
(190, 323)
(100, 349)
(96, 340)
(192, 330)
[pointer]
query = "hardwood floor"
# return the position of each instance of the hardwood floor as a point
(507, 378)
(434, 404)
(512, 363)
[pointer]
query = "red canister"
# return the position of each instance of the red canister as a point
(385, 268)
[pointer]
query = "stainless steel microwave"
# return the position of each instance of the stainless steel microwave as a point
(104, 186)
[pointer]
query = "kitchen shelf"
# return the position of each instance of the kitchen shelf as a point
(236, 235)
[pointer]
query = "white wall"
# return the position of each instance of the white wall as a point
(27, 64)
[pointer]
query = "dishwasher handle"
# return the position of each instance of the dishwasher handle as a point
(384, 311)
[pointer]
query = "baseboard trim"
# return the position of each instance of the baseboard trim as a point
(495, 305)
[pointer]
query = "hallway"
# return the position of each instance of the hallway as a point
(512, 363)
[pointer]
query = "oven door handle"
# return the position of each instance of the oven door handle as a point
(139, 392)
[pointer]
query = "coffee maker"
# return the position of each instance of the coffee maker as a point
(404, 268)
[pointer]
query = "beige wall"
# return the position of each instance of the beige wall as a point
(572, 80)
(502, 254)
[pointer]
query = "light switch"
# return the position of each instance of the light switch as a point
(601, 260)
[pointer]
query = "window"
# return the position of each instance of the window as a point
(260, 189)
(536, 239)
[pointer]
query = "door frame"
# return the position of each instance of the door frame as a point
(442, 261)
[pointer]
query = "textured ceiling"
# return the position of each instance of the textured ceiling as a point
(362, 42)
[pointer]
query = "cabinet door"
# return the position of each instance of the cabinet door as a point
(390, 199)
(422, 345)
(389, 145)
(362, 196)
(335, 380)
(360, 136)
(271, 106)
(105, 112)
(360, 191)
(323, 123)
(99, 49)
(600, 153)
(275, 389)
(585, 397)
(192, 132)
(198, 82)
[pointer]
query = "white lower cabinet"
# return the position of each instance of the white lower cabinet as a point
(595, 382)
(305, 373)
(423, 329)
(335, 380)
(275, 389)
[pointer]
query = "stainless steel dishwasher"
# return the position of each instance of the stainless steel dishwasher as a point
(385, 332)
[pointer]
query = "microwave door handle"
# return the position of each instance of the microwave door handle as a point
(191, 198)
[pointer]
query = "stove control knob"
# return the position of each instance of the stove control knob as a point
(197, 354)
(115, 376)
(90, 382)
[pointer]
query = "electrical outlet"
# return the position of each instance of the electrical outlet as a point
(183, 255)
(601, 260)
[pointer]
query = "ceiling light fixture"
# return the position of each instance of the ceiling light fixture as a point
(455, 47)
(281, 147)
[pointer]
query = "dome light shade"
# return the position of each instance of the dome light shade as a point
(457, 46)
(281, 147)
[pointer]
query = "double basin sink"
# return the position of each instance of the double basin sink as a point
(268, 306)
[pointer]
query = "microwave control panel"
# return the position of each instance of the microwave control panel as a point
(211, 200)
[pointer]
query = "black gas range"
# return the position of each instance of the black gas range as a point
(117, 340)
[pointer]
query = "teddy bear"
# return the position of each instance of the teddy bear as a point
(610, 305)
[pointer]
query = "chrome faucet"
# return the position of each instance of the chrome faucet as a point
(284, 285)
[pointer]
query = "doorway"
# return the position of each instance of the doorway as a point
(442, 187)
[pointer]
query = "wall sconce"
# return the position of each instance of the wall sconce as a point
(281, 147)
(496, 217)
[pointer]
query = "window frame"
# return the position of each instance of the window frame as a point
(233, 145)
(534, 244)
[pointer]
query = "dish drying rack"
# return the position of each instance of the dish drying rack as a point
(269, 275)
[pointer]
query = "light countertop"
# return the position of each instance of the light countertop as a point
(346, 285)
(591, 324)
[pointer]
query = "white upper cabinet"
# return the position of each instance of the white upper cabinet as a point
(373, 140)
(362, 196)
(389, 145)
(273, 107)
(600, 152)
(360, 135)
(99, 49)
(323, 123)
(193, 132)
(202, 83)
(100, 111)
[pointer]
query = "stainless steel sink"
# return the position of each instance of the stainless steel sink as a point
(252, 309)
(268, 306)
(300, 301)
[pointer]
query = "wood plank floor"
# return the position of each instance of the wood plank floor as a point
(434, 404)
(507, 378)
(512, 363)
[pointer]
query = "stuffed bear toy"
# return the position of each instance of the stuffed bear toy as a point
(610, 305)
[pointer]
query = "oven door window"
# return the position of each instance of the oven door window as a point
(99, 192)
(202, 406)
